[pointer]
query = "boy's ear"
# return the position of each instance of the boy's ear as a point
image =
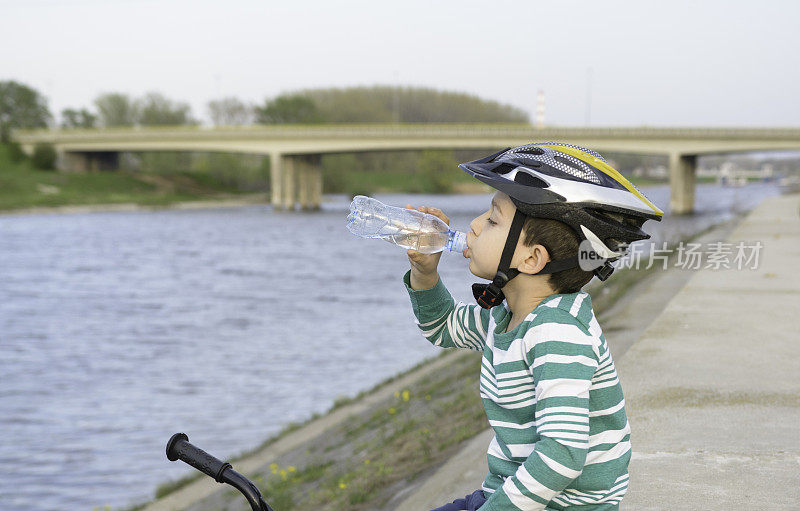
(537, 258)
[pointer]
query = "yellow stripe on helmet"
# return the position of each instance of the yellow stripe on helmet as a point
(606, 169)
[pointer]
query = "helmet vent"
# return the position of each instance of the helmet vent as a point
(531, 150)
(526, 179)
(621, 220)
(504, 168)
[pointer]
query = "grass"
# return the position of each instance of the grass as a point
(22, 186)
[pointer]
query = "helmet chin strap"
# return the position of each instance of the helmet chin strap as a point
(490, 295)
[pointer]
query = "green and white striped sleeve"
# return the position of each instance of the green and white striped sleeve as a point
(562, 358)
(445, 323)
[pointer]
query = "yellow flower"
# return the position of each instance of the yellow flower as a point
(291, 469)
(366, 462)
(427, 397)
(392, 411)
(397, 393)
(342, 486)
(406, 395)
(273, 467)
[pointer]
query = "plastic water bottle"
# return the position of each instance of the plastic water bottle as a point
(408, 228)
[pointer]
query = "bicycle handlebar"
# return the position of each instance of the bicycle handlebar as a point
(179, 448)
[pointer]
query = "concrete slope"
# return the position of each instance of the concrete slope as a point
(713, 386)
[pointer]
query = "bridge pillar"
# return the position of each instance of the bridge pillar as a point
(682, 170)
(288, 183)
(296, 178)
(276, 179)
(309, 174)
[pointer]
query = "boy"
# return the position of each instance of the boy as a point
(548, 382)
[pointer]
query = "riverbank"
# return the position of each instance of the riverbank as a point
(25, 189)
(378, 449)
(219, 201)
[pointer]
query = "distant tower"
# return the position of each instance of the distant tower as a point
(540, 109)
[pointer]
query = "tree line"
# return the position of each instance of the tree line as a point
(22, 106)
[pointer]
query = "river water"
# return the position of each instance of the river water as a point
(119, 329)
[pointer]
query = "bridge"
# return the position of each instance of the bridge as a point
(295, 150)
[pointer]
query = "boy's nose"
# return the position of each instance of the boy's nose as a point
(472, 226)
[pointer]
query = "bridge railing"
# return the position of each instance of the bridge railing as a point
(400, 130)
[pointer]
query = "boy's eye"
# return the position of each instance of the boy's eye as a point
(491, 221)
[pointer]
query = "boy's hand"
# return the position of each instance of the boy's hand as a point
(423, 266)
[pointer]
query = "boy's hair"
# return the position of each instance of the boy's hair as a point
(561, 242)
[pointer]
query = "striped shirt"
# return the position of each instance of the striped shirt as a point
(552, 397)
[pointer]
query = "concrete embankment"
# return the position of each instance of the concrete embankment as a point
(713, 385)
(711, 379)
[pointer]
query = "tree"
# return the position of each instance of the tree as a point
(437, 168)
(408, 104)
(71, 118)
(116, 109)
(229, 112)
(156, 110)
(21, 107)
(44, 156)
(289, 109)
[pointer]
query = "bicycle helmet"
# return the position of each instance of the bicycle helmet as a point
(573, 185)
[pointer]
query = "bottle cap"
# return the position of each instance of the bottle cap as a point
(458, 242)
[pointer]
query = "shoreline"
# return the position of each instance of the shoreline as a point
(69, 209)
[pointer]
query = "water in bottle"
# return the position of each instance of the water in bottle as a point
(408, 228)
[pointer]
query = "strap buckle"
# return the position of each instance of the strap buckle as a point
(490, 295)
(604, 271)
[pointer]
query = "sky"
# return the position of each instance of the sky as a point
(599, 63)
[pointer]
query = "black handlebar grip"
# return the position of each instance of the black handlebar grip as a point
(179, 448)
